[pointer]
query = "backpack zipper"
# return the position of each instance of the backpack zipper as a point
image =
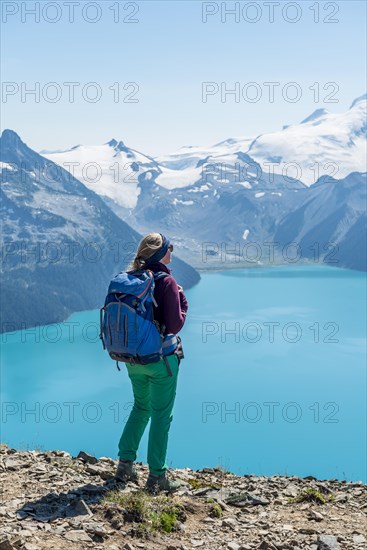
(126, 331)
(118, 316)
(109, 329)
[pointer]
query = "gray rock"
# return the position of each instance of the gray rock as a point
(5, 544)
(59, 530)
(217, 494)
(315, 515)
(245, 499)
(78, 508)
(341, 497)
(12, 464)
(291, 490)
(77, 535)
(109, 461)
(229, 522)
(87, 458)
(95, 529)
(266, 545)
(203, 491)
(307, 531)
(359, 539)
(40, 468)
(99, 471)
(328, 542)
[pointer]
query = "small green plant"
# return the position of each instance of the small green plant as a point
(164, 521)
(215, 511)
(151, 513)
(312, 495)
(197, 484)
(141, 531)
(135, 504)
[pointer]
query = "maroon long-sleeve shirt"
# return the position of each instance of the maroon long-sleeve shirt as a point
(172, 305)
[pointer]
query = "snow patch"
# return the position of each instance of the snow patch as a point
(178, 201)
(197, 189)
(6, 166)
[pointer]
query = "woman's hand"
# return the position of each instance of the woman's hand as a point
(180, 289)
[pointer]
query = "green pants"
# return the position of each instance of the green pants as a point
(154, 395)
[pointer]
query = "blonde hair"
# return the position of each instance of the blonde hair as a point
(147, 247)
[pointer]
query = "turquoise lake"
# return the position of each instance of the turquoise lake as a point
(273, 380)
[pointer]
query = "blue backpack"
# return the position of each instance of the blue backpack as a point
(127, 327)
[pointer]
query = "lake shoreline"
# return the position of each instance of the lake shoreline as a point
(234, 267)
(209, 270)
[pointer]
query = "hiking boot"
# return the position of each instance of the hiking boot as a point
(156, 484)
(126, 471)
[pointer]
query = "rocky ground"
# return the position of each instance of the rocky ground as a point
(53, 500)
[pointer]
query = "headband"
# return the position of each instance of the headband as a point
(159, 254)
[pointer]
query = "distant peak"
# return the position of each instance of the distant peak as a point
(9, 136)
(316, 114)
(358, 100)
(14, 150)
(118, 145)
(121, 146)
(228, 141)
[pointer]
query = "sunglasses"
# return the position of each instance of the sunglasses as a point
(170, 247)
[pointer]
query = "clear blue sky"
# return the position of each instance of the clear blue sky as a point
(169, 52)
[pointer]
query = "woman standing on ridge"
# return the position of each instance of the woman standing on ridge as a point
(153, 386)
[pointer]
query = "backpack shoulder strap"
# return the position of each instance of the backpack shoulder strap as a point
(156, 276)
(160, 275)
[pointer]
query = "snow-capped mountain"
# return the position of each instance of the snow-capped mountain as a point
(190, 164)
(225, 192)
(61, 244)
(219, 226)
(110, 170)
(214, 212)
(322, 144)
(119, 174)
